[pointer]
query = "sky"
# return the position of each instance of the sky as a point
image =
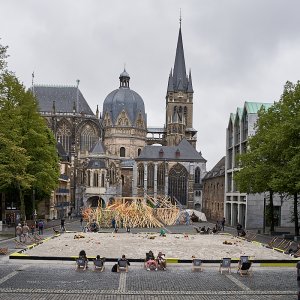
(237, 50)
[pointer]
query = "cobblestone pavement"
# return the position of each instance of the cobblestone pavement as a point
(60, 280)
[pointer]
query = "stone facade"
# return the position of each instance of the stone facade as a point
(213, 192)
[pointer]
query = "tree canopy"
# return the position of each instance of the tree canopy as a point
(272, 161)
(28, 155)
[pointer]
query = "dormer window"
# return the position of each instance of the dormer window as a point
(161, 153)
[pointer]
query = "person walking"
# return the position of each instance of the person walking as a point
(81, 220)
(62, 225)
(41, 227)
(19, 232)
(223, 223)
(25, 232)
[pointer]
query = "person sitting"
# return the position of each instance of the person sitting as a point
(162, 233)
(243, 233)
(99, 263)
(82, 256)
(207, 230)
(151, 263)
(161, 261)
(123, 263)
(214, 230)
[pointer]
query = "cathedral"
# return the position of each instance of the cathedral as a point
(115, 154)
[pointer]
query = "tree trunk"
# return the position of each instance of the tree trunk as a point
(22, 206)
(296, 214)
(272, 228)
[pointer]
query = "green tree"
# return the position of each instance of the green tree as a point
(272, 160)
(28, 155)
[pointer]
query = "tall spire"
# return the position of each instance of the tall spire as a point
(179, 73)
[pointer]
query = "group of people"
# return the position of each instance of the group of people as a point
(155, 263)
(22, 231)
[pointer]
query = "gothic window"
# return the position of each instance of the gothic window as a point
(112, 173)
(197, 175)
(177, 186)
(139, 151)
(123, 181)
(64, 135)
(185, 114)
(180, 113)
(140, 175)
(122, 152)
(140, 122)
(150, 176)
(102, 179)
(161, 176)
(89, 178)
(88, 138)
(96, 179)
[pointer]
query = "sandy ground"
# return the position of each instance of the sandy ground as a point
(136, 245)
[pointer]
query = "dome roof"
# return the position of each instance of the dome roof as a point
(124, 99)
(124, 74)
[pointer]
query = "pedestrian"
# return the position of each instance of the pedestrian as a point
(19, 232)
(41, 227)
(81, 220)
(239, 228)
(32, 227)
(25, 232)
(223, 223)
(113, 223)
(62, 224)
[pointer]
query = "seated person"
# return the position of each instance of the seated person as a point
(124, 259)
(82, 255)
(243, 233)
(207, 230)
(162, 233)
(214, 231)
(150, 261)
(99, 262)
(202, 230)
(161, 260)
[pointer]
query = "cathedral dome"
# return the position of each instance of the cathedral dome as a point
(124, 100)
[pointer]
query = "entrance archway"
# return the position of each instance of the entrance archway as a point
(94, 201)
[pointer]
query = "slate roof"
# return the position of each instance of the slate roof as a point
(64, 97)
(178, 81)
(61, 152)
(96, 164)
(99, 148)
(156, 129)
(187, 153)
(217, 170)
(127, 163)
(124, 99)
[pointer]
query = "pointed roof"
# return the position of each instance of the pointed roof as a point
(98, 148)
(179, 73)
(190, 84)
(170, 83)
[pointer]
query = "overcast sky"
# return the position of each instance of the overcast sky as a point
(237, 50)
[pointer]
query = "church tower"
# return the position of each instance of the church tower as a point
(179, 101)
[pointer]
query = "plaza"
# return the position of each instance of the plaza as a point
(58, 279)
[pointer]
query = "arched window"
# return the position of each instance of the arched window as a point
(161, 176)
(122, 152)
(177, 187)
(64, 134)
(89, 178)
(185, 113)
(96, 179)
(197, 175)
(139, 151)
(88, 138)
(102, 180)
(112, 173)
(140, 175)
(150, 176)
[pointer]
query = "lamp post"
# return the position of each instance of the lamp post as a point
(264, 216)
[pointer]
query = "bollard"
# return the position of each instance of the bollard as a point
(298, 278)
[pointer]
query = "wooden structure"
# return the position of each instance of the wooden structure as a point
(134, 212)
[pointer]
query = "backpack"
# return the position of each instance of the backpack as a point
(114, 268)
(41, 224)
